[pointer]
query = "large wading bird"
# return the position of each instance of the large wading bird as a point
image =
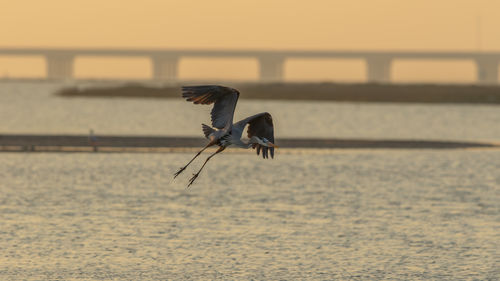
(260, 126)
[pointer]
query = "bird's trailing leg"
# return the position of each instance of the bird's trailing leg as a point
(197, 154)
(208, 158)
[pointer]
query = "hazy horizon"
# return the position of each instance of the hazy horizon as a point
(326, 25)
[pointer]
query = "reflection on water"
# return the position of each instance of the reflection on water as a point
(314, 214)
(31, 108)
(402, 215)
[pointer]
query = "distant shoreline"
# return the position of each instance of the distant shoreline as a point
(396, 93)
(107, 143)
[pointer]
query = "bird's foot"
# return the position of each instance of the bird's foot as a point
(179, 172)
(193, 179)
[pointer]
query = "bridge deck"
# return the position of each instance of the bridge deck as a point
(60, 61)
(417, 54)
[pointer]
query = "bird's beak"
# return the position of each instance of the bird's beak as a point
(273, 145)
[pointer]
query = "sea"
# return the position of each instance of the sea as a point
(341, 214)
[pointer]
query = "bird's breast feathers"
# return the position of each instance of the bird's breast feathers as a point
(225, 140)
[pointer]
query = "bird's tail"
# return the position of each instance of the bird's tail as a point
(207, 130)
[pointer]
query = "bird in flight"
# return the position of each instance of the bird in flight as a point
(224, 133)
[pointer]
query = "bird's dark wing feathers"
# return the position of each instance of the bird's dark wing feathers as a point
(225, 100)
(262, 126)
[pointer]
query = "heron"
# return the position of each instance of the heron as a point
(224, 132)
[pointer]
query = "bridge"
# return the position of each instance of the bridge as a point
(165, 62)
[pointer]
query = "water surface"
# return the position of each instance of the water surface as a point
(370, 215)
(32, 108)
(322, 214)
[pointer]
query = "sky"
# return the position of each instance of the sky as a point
(325, 25)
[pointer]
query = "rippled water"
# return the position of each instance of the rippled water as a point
(337, 214)
(370, 215)
(32, 108)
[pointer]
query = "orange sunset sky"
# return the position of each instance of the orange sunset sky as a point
(361, 25)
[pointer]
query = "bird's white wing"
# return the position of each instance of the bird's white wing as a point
(260, 125)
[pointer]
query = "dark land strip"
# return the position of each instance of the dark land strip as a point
(70, 143)
(341, 92)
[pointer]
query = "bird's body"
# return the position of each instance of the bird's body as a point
(226, 133)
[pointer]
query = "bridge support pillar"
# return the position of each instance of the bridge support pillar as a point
(271, 68)
(59, 67)
(487, 70)
(378, 70)
(165, 67)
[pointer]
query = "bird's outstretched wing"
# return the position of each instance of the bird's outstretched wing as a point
(261, 125)
(225, 100)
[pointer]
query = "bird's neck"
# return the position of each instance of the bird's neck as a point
(242, 144)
